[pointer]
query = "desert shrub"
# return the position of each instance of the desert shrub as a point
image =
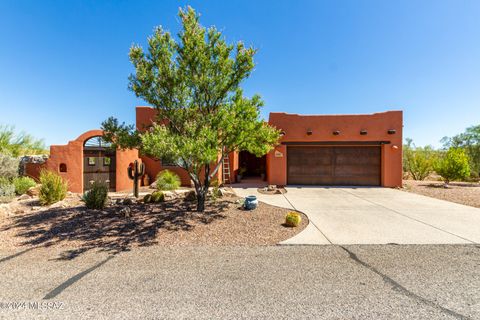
(22, 184)
(417, 161)
(147, 198)
(7, 190)
(158, 196)
(293, 219)
(168, 180)
(97, 196)
(8, 166)
(53, 188)
(215, 193)
(453, 165)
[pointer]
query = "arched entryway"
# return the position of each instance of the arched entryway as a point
(99, 163)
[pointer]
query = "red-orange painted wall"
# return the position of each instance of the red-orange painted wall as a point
(71, 154)
(295, 127)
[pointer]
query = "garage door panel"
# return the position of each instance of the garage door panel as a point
(334, 165)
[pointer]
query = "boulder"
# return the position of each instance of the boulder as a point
(190, 196)
(24, 197)
(125, 212)
(34, 191)
(169, 195)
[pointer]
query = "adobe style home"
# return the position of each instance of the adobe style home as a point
(331, 150)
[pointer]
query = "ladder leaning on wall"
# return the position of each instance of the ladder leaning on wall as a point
(226, 170)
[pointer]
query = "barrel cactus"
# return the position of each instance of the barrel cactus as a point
(293, 219)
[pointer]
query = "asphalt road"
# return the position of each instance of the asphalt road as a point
(280, 282)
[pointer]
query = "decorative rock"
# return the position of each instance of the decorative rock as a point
(125, 212)
(33, 191)
(24, 197)
(190, 196)
(169, 195)
(127, 201)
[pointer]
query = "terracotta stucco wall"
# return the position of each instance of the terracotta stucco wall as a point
(71, 155)
(377, 125)
(123, 160)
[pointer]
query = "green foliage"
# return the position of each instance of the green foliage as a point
(7, 190)
(293, 219)
(470, 142)
(8, 166)
(19, 144)
(168, 180)
(52, 189)
(417, 161)
(147, 198)
(193, 81)
(22, 184)
(453, 165)
(158, 196)
(97, 196)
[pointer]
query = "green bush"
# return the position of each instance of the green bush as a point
(96, 198)
(293, 219)
(453, 165)
(7, 190)
(158, 196)
(53, 188)
(22, 184)
(418, 162)
(168, 180)
(8, 166)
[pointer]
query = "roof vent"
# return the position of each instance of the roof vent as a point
(392, 131)
(336, 132)
(363, 132)
(309, 132)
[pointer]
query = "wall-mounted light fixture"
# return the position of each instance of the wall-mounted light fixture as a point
(394, 147)
(363, 132)
(282, 133)
(392, 131)
(336, 132)
(309, 132)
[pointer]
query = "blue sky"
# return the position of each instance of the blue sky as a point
(64, 64)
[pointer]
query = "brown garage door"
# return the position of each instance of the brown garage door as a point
(355, 166)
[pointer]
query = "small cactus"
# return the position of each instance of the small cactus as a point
(293, 219)
(135, 172)
(158, 196)
(147, 198)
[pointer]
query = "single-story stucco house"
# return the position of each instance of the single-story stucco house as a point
(354, 150)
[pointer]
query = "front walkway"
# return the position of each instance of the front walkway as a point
(356, 215)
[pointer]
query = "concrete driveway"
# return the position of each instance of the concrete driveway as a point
(361, 215)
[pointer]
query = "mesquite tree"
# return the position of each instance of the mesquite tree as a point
(193, 81)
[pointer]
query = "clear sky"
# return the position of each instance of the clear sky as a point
(64, 64)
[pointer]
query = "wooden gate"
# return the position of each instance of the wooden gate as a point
(98, 164)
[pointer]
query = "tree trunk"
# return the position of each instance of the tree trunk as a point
(202, 190)
(201, 201)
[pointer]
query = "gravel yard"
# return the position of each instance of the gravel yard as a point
(172, 223)
(460, 192)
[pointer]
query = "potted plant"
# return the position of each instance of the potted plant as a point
(241, 172)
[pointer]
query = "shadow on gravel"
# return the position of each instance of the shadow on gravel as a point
(108, 230)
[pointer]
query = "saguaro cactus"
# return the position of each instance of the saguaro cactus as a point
(134, 173)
